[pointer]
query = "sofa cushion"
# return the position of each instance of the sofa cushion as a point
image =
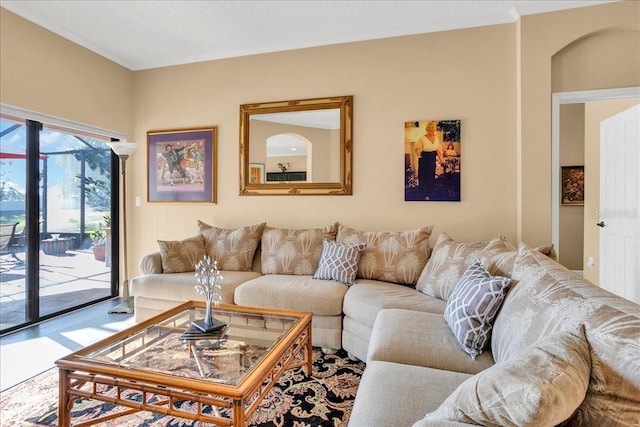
(396, 257)
(179, 256)
(421, 339)
(291, 292)
(546, 297)
(540, 385)
(294, 251)
(339, 261)
(355, 338)
(473, 305)
(181, 287)
(395, 394)
(366, 298)
(233, 248)
(447, 263)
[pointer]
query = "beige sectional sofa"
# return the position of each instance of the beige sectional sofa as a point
(549, 347)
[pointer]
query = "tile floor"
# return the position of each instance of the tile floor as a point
(30, 351)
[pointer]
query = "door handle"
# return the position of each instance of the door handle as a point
(600, 224)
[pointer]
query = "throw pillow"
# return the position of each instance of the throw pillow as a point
(499, 256)
(233, 248)
(294, 251)
(448, 262)
(548, 250)
(179, 256)
(473, 305)
(396, 257)
(339, 261)
(545, 297)
(540, 385)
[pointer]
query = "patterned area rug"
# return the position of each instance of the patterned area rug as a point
(324, 399)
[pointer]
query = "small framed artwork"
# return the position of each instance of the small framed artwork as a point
(432, 160)
(256, 173)
(182, 165)
(572, 191)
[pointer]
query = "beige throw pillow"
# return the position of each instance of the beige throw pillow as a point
(548, 297)
(396, 257)
(548, 250)
(294, 251)
(233, 248)
(499, 256)
(449, 260)
(179, 256)
(540, 385)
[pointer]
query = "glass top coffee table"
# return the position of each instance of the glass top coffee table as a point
(153, 366)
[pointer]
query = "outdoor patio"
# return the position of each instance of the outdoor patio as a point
(66, 280)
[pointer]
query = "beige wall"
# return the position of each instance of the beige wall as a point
(541, 37)
(571, 225)
(467, 75)
(595, 112)
(43, 72)
(495, 79)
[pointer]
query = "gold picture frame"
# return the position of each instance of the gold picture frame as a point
(291, 118)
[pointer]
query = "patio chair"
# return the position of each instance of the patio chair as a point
(19, 241)
(7, 239)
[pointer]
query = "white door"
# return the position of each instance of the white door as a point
(620, 204)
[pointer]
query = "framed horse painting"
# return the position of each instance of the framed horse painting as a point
(182, 165)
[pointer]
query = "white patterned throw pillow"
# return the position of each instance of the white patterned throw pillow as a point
(390, 256)
(233, 248)
(540, 385)
(446, 265)
(294, 251)
(339, 261)
(473, 306)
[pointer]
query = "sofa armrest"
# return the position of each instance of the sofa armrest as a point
(151, 263)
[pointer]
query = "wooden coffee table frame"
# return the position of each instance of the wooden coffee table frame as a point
(293, 350)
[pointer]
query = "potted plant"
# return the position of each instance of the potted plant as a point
(107, 230)
(98, 239)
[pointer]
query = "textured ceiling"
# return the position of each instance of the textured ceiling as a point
(149, 34)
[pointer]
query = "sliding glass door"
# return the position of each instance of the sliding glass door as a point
(13, 279)
(56, 197)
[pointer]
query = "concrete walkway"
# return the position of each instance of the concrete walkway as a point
(65, 281)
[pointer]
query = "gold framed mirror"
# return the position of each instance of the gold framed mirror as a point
(300, 147)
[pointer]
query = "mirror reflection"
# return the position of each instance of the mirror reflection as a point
(301, 146)
(296, 147)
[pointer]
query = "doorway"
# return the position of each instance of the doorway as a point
(589, 100)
